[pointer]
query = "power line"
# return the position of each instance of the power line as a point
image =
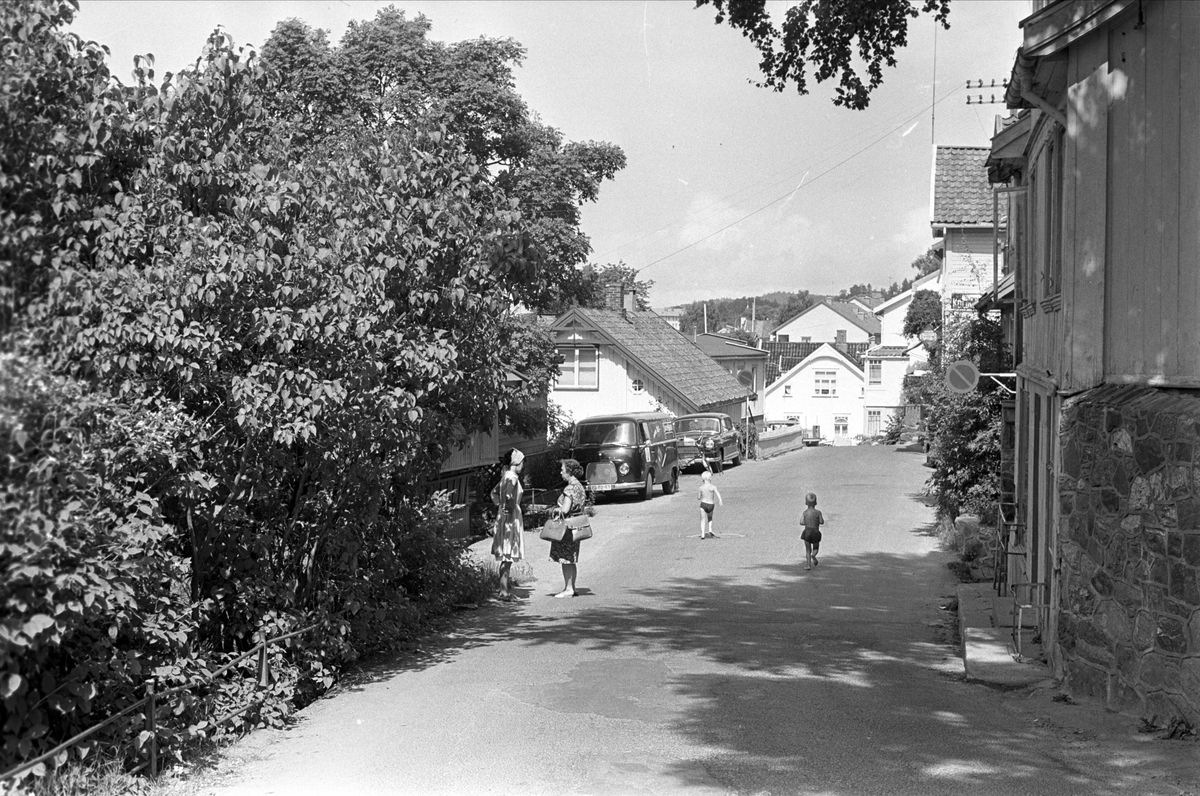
(700, 213)
(779, 199)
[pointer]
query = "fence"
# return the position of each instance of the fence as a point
(152, 700)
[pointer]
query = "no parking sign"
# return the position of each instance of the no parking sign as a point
(962, 376)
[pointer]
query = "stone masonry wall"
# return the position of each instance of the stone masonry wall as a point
(1129, 546)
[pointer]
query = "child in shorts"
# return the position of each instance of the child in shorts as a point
(813, 519)
(709, 498)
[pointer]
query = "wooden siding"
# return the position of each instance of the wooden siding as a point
(1152, 313)
(1085, 217)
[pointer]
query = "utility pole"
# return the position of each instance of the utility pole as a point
(706, 317)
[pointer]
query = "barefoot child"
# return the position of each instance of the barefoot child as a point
(813, 520)
(709, 498)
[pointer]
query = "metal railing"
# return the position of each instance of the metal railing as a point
(152, 700)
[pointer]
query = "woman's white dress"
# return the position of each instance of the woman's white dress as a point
(508, 543)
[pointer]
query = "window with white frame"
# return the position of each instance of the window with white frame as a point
(841, 425)
(580, 369)
(874, 418)
(825, 383)
(875, 371)
(787, 391)
(637, 386)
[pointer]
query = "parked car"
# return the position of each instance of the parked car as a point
(626, 452)
(710, 435)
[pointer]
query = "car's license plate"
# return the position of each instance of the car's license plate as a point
(603, 487)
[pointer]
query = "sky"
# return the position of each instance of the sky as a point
(730, 190)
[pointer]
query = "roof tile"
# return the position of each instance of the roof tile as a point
(961, 194)
(670, 354)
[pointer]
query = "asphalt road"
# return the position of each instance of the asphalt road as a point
(708, 667)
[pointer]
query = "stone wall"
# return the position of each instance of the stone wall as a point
(1129, 546)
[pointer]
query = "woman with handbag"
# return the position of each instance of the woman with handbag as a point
(571, 508)
(508, 545)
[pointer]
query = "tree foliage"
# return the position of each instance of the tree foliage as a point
(963, 430)
(928, 262)
(595, 278)
(832, 38)
(387, 74)
(248, 311)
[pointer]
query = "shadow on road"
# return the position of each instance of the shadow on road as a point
(776, 676)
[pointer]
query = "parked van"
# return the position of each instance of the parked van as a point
(625, 452)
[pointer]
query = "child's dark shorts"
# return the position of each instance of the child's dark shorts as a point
(707, 508)
(812, 536)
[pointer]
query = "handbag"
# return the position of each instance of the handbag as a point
(554, 529)
(581, 527)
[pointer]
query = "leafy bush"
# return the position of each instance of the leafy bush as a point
(964, 429)
(895, 427)
(248, 335)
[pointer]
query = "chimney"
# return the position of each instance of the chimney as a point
(841, 338)
(614, 296)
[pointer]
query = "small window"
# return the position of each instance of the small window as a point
(806, 339)
(825, 383)
(875, 367)
(787, 391)
(580, 368)
(637, 387)
(841, 426)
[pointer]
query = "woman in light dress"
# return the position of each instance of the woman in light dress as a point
(508, 544)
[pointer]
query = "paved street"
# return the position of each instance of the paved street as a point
(719, 666)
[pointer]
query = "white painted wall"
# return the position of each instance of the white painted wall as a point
(615, 391)
(810, 410)
(821, 324)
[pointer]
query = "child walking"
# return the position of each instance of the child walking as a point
(813, 519)
(709, 498)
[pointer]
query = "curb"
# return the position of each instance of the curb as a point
(988, 652)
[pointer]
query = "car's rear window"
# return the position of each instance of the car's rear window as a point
(700, 425)
(621, 432)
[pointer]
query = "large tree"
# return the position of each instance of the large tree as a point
(254, 317)
(832, 38)
(387, 74)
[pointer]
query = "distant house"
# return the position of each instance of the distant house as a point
(671, 315)
(747, 364)
(891, 313)
(620, 359)
(822, 392)
(962, 205)
(883, 396)
(782, 357)
(829, 321)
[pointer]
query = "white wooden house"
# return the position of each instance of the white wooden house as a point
(829, 321)
(624, 360)
(1104, 157)
(824, 392)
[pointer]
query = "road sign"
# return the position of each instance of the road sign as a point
(962, 376)
(928, 336)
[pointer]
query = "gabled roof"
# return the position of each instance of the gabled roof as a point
(860, 318)
(717, 346)
(907, 294)
(888, 352)
(785, 356)
(821, 350)
(660, 349)
(961, 194)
